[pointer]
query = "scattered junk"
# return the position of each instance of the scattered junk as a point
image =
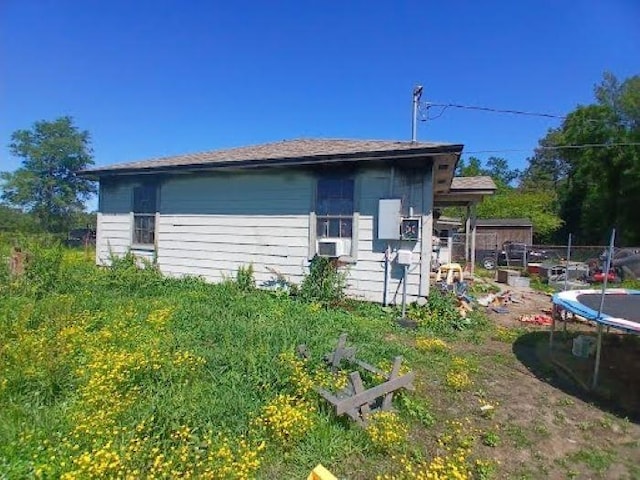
(513, 278)
(543, 320)
(354, 400)
(504, 274)
(571, 275)
(486, 410)
(499, 302)
(464, 306)
(449, 273)
(459, 288)
(565, 275)
(626, 262)
(519, 282)
(583, 346)
(501, 310)
(487, 300)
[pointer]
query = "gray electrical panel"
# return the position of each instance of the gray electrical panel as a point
(389, 218)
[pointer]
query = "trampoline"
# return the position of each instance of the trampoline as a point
(620, 310)
(621, 307)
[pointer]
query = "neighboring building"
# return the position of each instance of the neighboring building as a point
(278, 205)
(492, 233)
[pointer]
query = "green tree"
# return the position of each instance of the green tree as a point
(547, 169)
(598, 186)
(470, 168)
(46, 184)
(539, 206)
(15, 220)
(495, 167)
(498, 168)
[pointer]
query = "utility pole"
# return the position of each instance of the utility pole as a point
(417, 93)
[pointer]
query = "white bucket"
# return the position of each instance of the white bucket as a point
(583, 346)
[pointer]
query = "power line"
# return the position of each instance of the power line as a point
(488, 109)
(560, 147)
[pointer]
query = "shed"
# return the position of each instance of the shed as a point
(278, 205)
(491, 233)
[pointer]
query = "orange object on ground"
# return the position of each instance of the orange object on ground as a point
(321, 473)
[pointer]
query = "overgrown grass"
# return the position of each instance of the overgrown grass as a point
(121, 373)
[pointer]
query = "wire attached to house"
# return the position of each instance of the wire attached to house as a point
(560, 147)
(445, 106)
(424, 111)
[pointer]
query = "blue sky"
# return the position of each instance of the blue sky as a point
(155, 78)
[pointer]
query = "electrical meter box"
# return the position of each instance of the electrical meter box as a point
(410, 229)
(389, 218)
(403, 257)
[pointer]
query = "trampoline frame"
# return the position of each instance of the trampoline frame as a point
(567, 301)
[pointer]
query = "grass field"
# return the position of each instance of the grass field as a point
(120, 373)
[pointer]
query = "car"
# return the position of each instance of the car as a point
(81, 237)
(513, 254)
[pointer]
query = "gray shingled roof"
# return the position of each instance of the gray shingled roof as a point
(504, 222)
(472, 183)
(284, 152)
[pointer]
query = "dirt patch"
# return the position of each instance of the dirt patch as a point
(548, 425)
(548, 428)
(520, 302)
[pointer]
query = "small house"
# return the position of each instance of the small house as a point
(368, 204)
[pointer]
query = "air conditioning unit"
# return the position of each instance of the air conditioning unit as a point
(330, 248)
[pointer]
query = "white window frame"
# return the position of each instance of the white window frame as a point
(335, 216)
(351, 256)
(151, 215)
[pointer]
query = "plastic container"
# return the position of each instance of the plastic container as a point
(583, 346)
(514, 281)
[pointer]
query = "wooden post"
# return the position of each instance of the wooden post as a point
(341, 352)
(467, 234)
(358, 388)
(472, 254)
(17, 262)
(337, 353)
(388, 398)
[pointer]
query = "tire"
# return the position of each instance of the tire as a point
(489, 263)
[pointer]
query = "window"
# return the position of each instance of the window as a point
(144, 215)
(334, 208)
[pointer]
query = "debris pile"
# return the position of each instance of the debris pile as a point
(499, 302)
(542, 319)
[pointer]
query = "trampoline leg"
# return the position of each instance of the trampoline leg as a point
(554, 312)
(597, 363)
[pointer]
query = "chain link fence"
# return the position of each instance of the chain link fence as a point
(486, 247)
(488, 254)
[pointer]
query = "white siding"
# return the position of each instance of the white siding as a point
(114, 226)
(113, 236)
(367, 275)
(211, 225)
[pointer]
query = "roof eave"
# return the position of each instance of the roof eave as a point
(279, 162)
